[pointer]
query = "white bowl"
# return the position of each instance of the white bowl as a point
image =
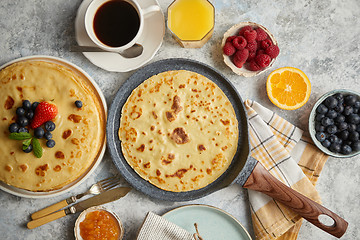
(312, 121)
(233, 31)
(92, 209)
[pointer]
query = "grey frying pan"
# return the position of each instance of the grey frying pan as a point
(244, 170)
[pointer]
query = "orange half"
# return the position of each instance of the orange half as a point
(288, 88)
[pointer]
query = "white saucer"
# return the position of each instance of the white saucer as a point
(151, 39)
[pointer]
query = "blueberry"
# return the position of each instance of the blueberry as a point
(354, 136)
(14, 127)
(39, 132)
(326, 143)
(319, 127)
(331, 102)
(23, 121)
(351, 127)
(23, 129)
(356, 110)
(343, 134)
(47, 135)
(20, 111)
(78, 103)
(335, 147)
(347, 142)
(26, 104)
(332, 114)
(34, 106)
(28, 149)
(348, 110)
(339, 108)
(333, 138)
(356, 146)
(322, 109)
(342, 126)
(49, 126)
(358, 128)
(357, 104)
(320, 136)
(332, 129)
(319, 117)
(353, 118)
(50, 143)
(339, 141)
(327, 121)
(29, 114)
(346, 149)
(350, 100)
(340, 118)
(339, 97)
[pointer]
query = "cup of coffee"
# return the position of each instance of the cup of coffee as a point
(116, 25)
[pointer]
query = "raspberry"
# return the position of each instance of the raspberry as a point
(264, 44)
(238, 63)
(251, 46)
(239, 42)
(242, 55)
(253, 66)
(263, 60)
(250, 36)
(261, 34)
(251, 56)
(243, 29)
(230, 39)
(260, 51)
(273, 51)
(229, 49)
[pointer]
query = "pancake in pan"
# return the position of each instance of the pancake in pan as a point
(178, 131)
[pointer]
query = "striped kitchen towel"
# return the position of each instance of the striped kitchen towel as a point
(290, 157)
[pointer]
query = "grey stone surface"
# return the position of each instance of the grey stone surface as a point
(319, 37)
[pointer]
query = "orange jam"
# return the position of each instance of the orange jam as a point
(99, 225)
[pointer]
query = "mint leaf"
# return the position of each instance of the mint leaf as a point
(38, 151)
(26, 143)
(20, 136)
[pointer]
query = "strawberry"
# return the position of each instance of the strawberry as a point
(44, 112)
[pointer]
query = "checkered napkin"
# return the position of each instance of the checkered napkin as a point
(291, 158)
(156, 227)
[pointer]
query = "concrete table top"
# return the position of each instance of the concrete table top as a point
(319, 37)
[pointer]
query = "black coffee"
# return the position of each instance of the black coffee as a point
(116, 23)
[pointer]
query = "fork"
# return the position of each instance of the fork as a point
(97, 188)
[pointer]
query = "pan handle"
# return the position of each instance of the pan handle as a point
(262, 181)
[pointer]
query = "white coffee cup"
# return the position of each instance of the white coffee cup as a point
(93, 9)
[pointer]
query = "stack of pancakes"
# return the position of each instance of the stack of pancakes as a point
(79, 133)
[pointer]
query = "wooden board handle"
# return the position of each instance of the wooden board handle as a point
(262, 181)
(41, 221)
(48, 210)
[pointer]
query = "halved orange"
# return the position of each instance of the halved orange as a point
(288, 88)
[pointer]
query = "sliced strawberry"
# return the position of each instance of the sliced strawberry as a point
(44, 112)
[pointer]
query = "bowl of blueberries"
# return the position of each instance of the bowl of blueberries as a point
(334, 123)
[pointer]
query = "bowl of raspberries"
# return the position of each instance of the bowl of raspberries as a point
(249, 49)
(334, 123)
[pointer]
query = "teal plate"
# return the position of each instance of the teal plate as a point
(213, 223)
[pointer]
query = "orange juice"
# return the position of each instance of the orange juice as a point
(191, 20)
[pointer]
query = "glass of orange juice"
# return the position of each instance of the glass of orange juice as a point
(191, 22)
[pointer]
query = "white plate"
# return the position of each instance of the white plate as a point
(213, 223)
(151, 39)
(29, 194)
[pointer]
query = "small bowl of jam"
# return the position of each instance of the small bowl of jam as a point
(98, 223)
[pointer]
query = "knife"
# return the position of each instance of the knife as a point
(105, 197)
